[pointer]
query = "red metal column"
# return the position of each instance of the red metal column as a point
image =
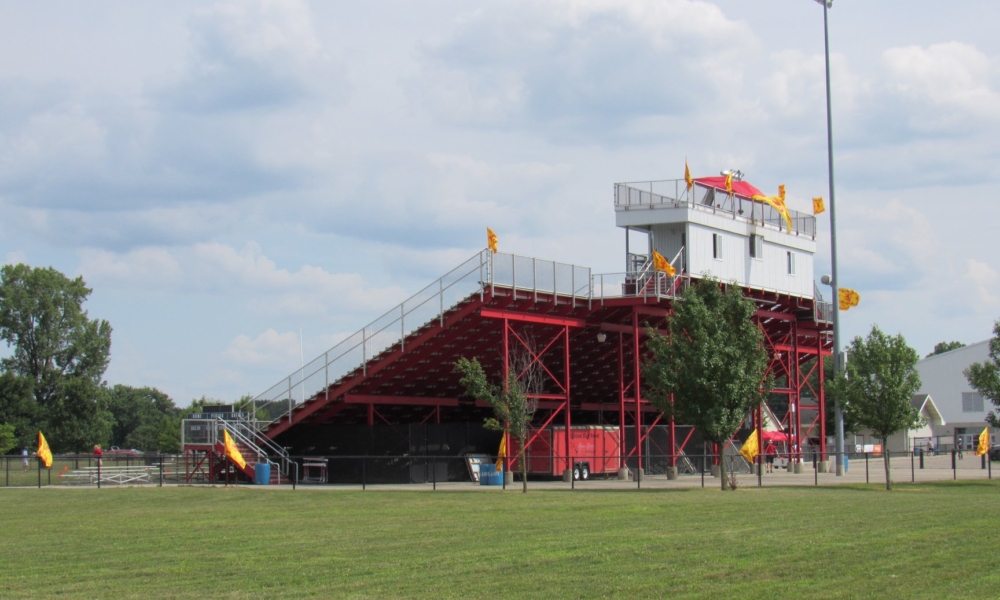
(506, 375)
(797, 390)
(638, 408)
(371, 414)
(621, 397)
(822, 398)
(566, 405)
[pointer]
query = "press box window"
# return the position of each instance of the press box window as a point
(756, 246)
(716, 246)
(791, 263)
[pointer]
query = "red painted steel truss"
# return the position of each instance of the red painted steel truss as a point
(590, 353)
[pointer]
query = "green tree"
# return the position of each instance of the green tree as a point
(942, 347)
(513, 407)
(18, 407)
(77, 417)
(42, 319)
(59, 350)
(984, 377)
(143, 418)
(7, 438)
(710, 371)
(877, 387)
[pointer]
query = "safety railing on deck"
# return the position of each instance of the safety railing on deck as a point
(673, 193)
(484, 271)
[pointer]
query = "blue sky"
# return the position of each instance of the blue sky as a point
(226, 175)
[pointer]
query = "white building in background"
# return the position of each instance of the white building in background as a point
(963, 410)
(953, 412)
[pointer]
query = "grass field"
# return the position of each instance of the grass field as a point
(920, 541)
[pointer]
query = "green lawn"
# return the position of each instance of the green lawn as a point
(931, 540)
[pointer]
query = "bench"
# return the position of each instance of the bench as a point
(116, 475)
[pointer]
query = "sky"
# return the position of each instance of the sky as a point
(243, 184)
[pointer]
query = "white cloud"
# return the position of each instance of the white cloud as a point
(986, 283)
(954, 76)
(15, 257)
(215, 268)
(268, 348)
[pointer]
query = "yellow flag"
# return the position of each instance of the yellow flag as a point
(44, 454)
(232, 452)
(729, 183)
(661, 264)
(818, 205)
(848, 298)
(750, 447)
(502, 452)
(984, 443)
(687, 175)
(491, 240)
(778, 202)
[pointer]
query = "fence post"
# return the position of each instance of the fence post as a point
(954, 467)
(913, 473)
(363, 482)
(161, 470)
(760, 468)
(434, 475)
(815, 470)
(572, 475)
(39, 473)
(866, 468)
(921, 458)
(984, 461)
(703, 471)
(295, 477)
(989, 467)
(98, 473)
(6, 461)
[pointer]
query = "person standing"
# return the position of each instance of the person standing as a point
(770, 451)
(98, 454)
(24, 458)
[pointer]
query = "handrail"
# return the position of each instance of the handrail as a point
(628, 195)
(483, 271)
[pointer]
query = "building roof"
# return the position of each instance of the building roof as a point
(923, 402)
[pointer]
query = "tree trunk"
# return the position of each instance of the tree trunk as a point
(524, 472)
(885, 457)
(723, 476)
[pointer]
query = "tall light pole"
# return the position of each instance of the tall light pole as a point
(834, 283)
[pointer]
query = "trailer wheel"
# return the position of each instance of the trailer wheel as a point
(585, 472)
(576, 472)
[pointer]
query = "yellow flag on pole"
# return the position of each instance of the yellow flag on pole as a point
(984, 443)
(848, 298)
(232, 452)
(661, 264)
(44, 454)
(751, 447)
(729, 184)
(491, 240)
(502, 452)
(818, 205)
(687, 176)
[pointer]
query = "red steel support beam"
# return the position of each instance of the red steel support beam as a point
(399, 400)
(638, 412)
(528, 318)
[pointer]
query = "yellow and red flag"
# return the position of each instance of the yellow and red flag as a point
(661, 264)
(687, 176)
(232, 452)
(729, 184)
(751, 447)
(44, 454)
(778, 202)
(848, 298)
(502, 452)
(491, 240)
(984, 443)
(818, 205)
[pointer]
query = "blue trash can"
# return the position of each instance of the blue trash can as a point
(488, 475)
(262, 474)
(847, 462)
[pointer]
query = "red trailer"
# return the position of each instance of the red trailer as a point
(592, 449)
